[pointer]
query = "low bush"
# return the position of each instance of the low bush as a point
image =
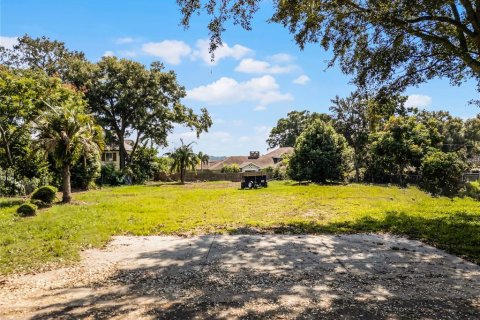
(27, 210)
(111, 176)
(233, 168)
(85, 172)
(45, 194)
(279, 174)
(473, 189)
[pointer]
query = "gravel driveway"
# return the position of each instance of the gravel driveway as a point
(252, 276)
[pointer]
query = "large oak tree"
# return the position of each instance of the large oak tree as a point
(49, 56)
(133, 101)
(387, 45)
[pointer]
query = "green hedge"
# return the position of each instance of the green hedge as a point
(45, 194)
(27, 210)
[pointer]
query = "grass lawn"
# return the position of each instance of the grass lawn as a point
(56, 235)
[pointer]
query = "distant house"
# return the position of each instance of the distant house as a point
(249, 167)
(111, 154)
(253, 162)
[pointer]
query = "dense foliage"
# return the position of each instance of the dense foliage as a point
(350, 118)
(46, 194)
(230, 168)
(66, 132)
(183, 159)
(84, 173)
(27, 210)
(400, 146)
(442, 173)
(320, 154)
(473, 189)
(288, 129)
(144, 164)
(109, 175)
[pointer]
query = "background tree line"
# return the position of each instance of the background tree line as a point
(364, 139)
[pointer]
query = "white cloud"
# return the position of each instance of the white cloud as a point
(243, 139)
(281, 58)
(237, 123)
(262, 129)
(263, 91)
(108, 53)
(236, 52)
(418, 100)
(124, 40)
(303, 79)
(172, 51)
(263, 67)
(8, 42)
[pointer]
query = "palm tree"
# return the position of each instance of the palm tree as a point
(203, 158)
(183, 159)
(66, 132)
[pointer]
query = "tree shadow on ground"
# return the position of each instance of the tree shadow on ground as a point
(457, 233)
(279, 276)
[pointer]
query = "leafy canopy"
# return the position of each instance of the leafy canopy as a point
(401, 144)
(350, 118)
(288, 129)
(320, 154)
(128, 99)
(49, 56)
(183, 158)
(22, 97)
(386, 45)
(65, 131)
(442, 172)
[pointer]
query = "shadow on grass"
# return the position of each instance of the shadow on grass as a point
(10, 203)
(256, 277)
(457, 233)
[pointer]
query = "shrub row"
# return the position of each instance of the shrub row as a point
(42, 197)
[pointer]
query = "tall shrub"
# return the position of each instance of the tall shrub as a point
(320, 154)
(442, 173)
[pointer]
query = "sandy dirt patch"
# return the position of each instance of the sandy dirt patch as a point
(252, 276)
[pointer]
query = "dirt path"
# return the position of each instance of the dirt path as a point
(252, 276)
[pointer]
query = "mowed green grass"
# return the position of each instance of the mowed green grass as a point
(56, 235)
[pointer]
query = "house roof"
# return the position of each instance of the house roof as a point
(229, 161)
(264, 161)
(207, 166)
(127, 143)
(247, 164)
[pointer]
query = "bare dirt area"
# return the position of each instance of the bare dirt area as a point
(252, 276)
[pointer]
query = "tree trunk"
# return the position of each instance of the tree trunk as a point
(135, 145)
(67, 189)
(182, 175)
(7, 146)
(123, 151)
(400, 174)
(357, 170)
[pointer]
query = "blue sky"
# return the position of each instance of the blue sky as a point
(257, 77)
